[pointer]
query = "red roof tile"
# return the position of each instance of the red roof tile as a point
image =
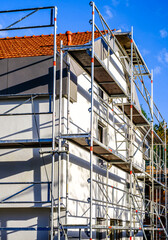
(30, 46)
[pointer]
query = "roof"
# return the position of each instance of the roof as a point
(42, 45)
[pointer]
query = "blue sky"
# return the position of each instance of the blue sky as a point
(149, 19)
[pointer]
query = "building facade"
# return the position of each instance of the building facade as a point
(109, 164)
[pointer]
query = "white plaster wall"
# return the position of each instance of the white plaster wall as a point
(24, 218)
(27, 165)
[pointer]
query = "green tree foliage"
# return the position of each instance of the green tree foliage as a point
(159, 129)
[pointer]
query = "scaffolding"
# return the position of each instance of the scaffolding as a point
(149, 218)
(33, 143)
(146, 210)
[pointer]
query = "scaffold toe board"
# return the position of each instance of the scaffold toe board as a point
(104, 152)
(26, 143)
(138, 117)
(101, 74)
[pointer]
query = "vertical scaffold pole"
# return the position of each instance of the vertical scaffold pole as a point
(165, 155)
(152, 205)
(107, 178)
(131, 136)
(91, 120)
(67, 160)
(59, 146)
(53, 125)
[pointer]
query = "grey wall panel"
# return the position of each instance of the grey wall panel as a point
(26, 75)
(32, 75)
(73, 85)
(3, 75)
(101, 49)
(75, 68)
(73, 91)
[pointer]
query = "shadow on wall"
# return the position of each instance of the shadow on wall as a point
(26, 75)
(86, 165)
(33, 75)
(35, 163)
(19, 218)
(31, 167)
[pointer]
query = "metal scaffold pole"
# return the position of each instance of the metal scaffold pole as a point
(67, 160)
(53, 125)
(107, 195)
(131, 137)
(59, 143)
(91, 121)
(152, 159)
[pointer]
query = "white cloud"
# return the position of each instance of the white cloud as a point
(108, 12)
(157, 70)
(163, 56)
(163, 33)
(115, 2)
(145, 52)
(3, 33)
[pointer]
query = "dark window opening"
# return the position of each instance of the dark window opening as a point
(101, 233)
(100, 133)
(101, 93)
(115, 234)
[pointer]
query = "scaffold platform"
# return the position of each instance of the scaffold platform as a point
(104, 152)
(102, 75)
